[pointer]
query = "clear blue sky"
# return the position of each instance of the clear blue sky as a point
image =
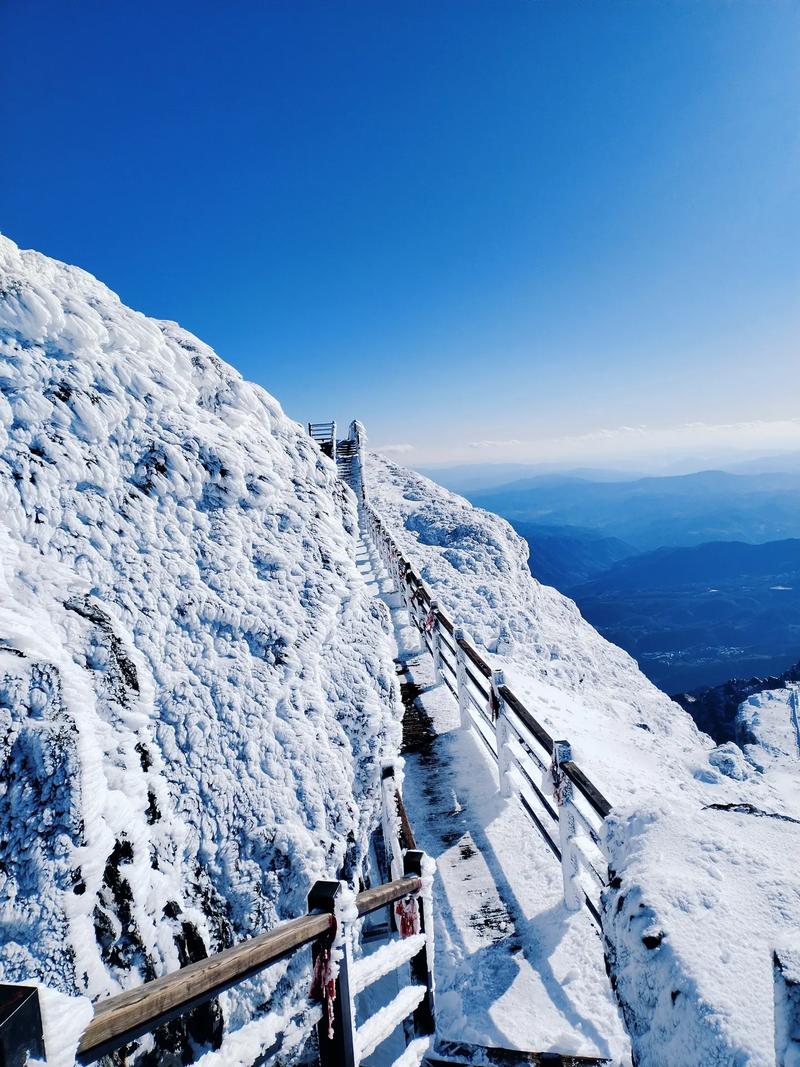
(460, 221)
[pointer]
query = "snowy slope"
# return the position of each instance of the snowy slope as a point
(195, 687)
(702, 894)
(768, 729)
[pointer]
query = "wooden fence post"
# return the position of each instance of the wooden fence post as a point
(570, 863)
(436, 643)
(402, 571)
(420, 615)
(333, 442)
(422, 963)
(358, 437)
(501, 733)
(390, 819)
(336, 1029)
(460, 634)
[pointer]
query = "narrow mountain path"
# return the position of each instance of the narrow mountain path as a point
(514, 968)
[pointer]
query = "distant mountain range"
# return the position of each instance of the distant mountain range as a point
(473, 477)
(467, 478)
(696, 575)
(566, 555)
(716, 562)
(648, 513)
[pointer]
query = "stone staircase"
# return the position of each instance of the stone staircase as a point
(346, 452)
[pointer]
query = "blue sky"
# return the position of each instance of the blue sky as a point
(528, 230)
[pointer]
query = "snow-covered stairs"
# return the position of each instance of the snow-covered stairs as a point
(343, 452)
(346, 452)
(513, 966)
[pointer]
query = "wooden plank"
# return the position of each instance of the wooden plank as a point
(131, 1010)
(381, 895)
(374, 1030)
(479, 662)
(479, 708)
(591, 792)
(370, 969)
(407, 839)
(447, 642)
(449, 666)
(537, 821)
(520, 768)
(449, 684)
(121, 1018)
(535, 727)
(477, 682)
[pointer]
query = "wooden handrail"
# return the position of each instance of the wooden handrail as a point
(126, 1016)
(476, 658)
(535, 727)
(372, 899)
(570, 768)
(592, 794)
(407, 838)
(477, 682)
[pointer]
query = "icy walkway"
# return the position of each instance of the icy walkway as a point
(514, 968)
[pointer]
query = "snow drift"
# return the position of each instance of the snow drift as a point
(702, 847)
(195, 687)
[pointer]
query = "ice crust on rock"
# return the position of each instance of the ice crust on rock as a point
(196, 689)
(702, 845)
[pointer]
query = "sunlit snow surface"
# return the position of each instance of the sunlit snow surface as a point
(514, 968)
(702, 895)
(195, 686)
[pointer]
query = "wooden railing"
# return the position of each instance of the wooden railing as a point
(567, 809)
(324, 433)
(330, 928)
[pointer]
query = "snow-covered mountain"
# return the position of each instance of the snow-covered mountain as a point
(195, 687)
(702, 845)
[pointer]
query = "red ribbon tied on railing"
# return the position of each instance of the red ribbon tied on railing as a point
(323, 985)
(430, 621)
(407, 912)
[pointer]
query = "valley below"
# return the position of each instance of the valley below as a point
(696, 576)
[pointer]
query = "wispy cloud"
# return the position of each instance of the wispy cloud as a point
(495, 444)
(629, 443)
(395, 450)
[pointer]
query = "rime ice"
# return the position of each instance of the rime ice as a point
(195, 688)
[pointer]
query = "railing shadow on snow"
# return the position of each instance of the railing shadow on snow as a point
(566, 808)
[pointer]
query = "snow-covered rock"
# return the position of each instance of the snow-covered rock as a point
(195, 687)
(701, 847)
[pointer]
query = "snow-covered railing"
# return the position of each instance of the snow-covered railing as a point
(331, 928)
(565, 806)
(324, 433)
(343, 1041)
(398, 837)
